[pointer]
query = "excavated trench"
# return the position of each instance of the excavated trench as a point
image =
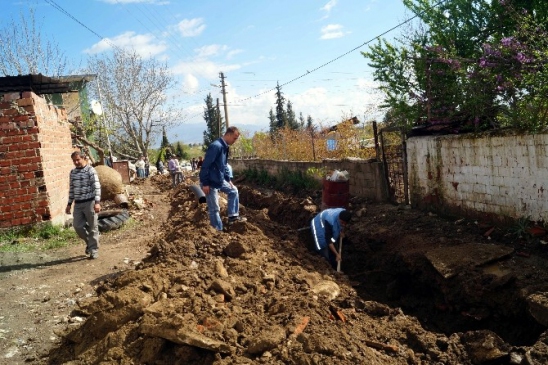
(387, 262)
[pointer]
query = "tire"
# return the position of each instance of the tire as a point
(109, 223)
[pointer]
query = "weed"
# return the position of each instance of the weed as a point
(286, 180)
(39, 237)
(520, 228)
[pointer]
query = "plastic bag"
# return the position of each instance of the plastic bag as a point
(339, 176)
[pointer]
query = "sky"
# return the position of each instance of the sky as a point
(310, 47)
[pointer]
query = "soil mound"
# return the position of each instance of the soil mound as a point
(256, 294)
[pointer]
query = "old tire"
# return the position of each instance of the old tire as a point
(108, 223)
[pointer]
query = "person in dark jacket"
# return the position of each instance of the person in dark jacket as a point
(214, 177)
(327, 228)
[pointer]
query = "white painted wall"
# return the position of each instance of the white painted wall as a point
(505, 175)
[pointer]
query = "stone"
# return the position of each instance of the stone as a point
(538, 307)
(327, 288)
(268, 339)
(235, 249)
(221, 286)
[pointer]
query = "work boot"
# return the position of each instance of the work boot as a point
(232, 220)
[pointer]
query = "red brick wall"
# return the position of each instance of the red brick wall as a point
(35, 147)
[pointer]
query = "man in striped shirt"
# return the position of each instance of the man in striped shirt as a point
(85, 191)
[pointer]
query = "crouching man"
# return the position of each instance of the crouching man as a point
(327, 228)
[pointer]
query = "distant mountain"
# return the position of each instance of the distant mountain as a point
(194, 133)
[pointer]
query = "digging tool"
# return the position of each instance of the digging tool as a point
(340, 252)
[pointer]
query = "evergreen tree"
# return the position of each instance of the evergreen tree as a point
(165, 142)
(309, 123)
(180, 151)
(301, 121)
(281, 115)
(291, 119)
(212, 116)
(272, 123)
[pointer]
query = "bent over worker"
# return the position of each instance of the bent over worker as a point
(326, 229)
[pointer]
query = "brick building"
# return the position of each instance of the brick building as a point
(35, 147)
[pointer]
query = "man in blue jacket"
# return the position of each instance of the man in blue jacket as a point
(326, 229)
(214, 177)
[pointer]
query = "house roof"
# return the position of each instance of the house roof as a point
(41, 84)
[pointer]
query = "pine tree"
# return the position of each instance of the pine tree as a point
(165, 142)
(281, 115)
(212, 116)
(291, 119)
(272, 123)
(301, 121)
(165, 148)
(309, 123)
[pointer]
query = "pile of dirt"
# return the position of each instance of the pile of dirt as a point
(256, 294)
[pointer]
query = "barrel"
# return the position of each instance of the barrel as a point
(335, 194)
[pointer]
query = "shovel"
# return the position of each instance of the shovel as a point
(340, 251)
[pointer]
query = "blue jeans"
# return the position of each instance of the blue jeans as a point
(140, 172)
(212, 200)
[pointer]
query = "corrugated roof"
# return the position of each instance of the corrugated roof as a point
(41, 84)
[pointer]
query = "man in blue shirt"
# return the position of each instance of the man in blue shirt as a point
(214, 177)
(327, 228)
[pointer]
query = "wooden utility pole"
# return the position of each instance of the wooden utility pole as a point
(219, 119)
(222, 76)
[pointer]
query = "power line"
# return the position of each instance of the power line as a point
(342, 55)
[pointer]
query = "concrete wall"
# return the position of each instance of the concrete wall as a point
(366, 176)
(496, 175)
(35, 148)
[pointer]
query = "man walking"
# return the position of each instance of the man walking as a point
(85, 192)
(214, 177)
(174, 170)
(327, 228)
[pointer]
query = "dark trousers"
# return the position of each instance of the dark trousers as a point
(329, 256)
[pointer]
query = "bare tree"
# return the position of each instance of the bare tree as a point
(24, 50)
(134, 94)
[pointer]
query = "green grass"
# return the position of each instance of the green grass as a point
(40, 237)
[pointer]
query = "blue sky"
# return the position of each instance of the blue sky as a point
(256, 43)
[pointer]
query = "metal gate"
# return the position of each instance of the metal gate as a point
(394, 157)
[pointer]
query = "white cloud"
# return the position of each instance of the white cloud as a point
(202, 68)
(233, 53)
(332, 31)
(330, 5)
(141, 43)
(211, 50)
(191, 27)
(190, 83)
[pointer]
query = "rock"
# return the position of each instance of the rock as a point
(484, 346)
(220, 269)
(316, 343)
(221, 286)
(538, 307)
(235, 249)
(268, 339)
(183, 336)
(327, 288)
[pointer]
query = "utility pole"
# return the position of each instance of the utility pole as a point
(219, 118)
(222, 76)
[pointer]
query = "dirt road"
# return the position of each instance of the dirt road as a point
(172, 290)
